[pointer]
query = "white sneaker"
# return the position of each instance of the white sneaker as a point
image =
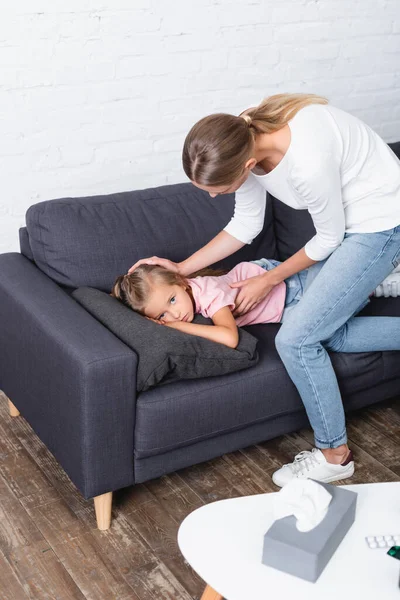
(313, 465)
(389, 286)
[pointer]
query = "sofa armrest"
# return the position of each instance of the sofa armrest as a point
(69, 376)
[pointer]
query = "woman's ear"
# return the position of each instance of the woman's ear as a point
(250, 164)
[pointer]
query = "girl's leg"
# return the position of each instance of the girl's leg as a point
(267, 263)
(366, 334)
(346, 280)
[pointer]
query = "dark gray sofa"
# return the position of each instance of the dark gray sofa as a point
(74, 381)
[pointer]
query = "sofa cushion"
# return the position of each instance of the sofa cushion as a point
(293, 228)
(187, 412)
(165, 354)
(89, 241)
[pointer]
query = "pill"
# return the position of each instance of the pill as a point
(373, 544)
(382, 544)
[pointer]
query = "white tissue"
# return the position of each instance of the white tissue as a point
(306, 499)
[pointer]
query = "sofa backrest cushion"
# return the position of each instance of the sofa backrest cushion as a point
(89, 241)
(166, 354)
(293, 228)
(24, 243)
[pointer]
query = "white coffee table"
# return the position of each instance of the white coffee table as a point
(223, 543)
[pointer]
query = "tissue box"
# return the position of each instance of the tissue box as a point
(307, 554)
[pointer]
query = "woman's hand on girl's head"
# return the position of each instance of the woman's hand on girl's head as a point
(155, 260)
(251, 292)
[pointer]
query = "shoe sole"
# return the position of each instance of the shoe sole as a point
(344, 475)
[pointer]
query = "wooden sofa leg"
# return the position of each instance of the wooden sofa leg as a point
(14, 412)
(102, 506)
(211, 594)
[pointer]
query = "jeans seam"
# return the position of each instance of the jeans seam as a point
(321, 412)
(322, 416)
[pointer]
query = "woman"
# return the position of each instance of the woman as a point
(314, 156)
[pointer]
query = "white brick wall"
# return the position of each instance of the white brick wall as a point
(96, 96)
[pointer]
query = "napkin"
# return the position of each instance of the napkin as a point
(306, 499)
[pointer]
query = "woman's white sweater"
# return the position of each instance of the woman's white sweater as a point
(338, 169)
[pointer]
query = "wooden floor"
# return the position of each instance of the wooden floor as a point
(50, 547)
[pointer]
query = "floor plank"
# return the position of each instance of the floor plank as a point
(28, 554)
(50, 546)
(10, 586)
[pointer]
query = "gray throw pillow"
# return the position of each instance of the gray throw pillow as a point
(165, 354)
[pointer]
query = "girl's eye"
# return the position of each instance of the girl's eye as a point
(173, 298)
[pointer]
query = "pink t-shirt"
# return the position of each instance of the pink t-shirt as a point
(213, 293)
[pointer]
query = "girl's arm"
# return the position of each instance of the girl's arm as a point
(224, 331)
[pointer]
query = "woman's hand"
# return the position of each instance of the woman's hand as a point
(251, 292)
(155, 260)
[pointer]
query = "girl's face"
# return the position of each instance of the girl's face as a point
(170, 303)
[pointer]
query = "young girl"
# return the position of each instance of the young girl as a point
(171, 299)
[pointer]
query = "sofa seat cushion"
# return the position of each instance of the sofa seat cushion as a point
(166, 354)
(185, 412)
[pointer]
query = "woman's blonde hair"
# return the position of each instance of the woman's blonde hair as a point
(134, 289)
(218, 146)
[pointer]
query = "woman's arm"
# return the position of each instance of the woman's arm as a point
(247, 222)
(317, 182)
(224, 331)
(294, 264)
(254, 289)
(220, 247)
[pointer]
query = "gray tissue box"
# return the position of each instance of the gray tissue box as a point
(306, 554)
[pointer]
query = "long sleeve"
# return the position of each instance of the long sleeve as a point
(248, 218)
(319, 186)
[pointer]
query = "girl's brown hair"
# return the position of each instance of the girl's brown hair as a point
(134, 289)
(218, 146)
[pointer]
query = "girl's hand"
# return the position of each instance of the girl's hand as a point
(158, 321)
(251, 292)
(173, 324)
(155, 260)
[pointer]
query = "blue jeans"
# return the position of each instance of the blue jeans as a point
(333, 292)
